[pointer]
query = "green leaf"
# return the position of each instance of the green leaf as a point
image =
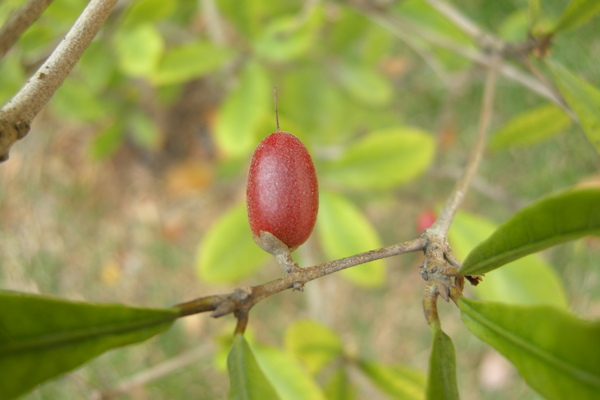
(241, 113)
(577, 13)
(227, 253)
(441, 383)
(289, 378)
(364, 84)
(144, 11)
(548, 222)
(43, 337)
(533, 12)
(384, 159)
(247, 381)
(139, 50)
(528, 280)
(340, 386)
(584, 100)
(144, 130)
(555, 352)
(398, 381)
(74, 100)
(531, 127)
(97, 66)
(12, 76)
(315, 344)
(106, 142)
(288, 38)
(190, 61)
(345, 231)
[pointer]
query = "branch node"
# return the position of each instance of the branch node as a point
(242, 293)
(226, 307)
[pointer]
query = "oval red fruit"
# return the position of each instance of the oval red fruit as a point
(282, 195)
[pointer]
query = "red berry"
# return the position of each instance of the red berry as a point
(425, 219)
(282, 195)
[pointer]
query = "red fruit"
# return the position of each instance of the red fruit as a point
(425, 219)
(282, 195)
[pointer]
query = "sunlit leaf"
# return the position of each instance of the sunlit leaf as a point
(583, 98)
(313, 343)
(345, 231)
(364, 84)
(383, 159)
(242, 111)
(139, 50)
(397, 381)
(43, 337)
(144, 11)
(190, 61)
(577, 13)
(441, 382)
(528, 280)
(290, 379)
(246, 380)
(531, 127)
(548, 222)
(286, 38)
(555, 352)
(227, 253)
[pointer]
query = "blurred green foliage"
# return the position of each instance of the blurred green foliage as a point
(386, 117)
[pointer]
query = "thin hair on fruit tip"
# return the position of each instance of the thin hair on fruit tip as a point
(275, 103)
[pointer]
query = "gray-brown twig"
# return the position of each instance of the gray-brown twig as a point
(440, 267)
(19, 22)
(16, 116)
(243, 299)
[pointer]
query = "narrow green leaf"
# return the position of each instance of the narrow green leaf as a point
(242, 111)
(441, 383)
(190, 61)
(246, 380)
(384, 159)
(227, 253)
(139, 50)
(289, 378)
(577, 13)
(528, 280)
(531, 127)
(345, 231)
(555, 352)
(340, 386)
(315, 344)
(43, 337)
(397, 381)
(583, 98)
(533, 12)
(548, 222)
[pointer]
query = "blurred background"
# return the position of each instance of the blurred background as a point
(130, 187)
